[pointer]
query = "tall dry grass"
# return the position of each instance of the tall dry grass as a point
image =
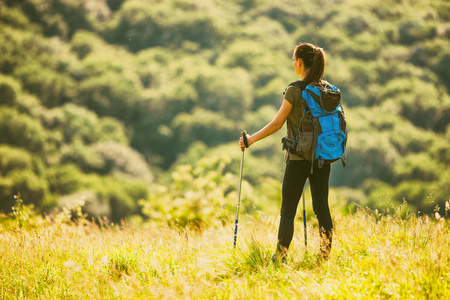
(373, 257)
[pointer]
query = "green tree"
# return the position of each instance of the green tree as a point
(122, 161)
(10, 90)
(12, 159)
(138, 25)
(52, 88)
(21, 130)
(109, 95)
(64, 179)
(63, 17)
(31, 187)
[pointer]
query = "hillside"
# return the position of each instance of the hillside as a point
(135, 106)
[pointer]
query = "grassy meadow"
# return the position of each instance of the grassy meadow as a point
(373, 257)
(136, 107)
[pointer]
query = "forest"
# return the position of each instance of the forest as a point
(133, 109)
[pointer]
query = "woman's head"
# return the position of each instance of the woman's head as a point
(313, 60)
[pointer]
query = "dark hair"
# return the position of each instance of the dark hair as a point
(314, 60)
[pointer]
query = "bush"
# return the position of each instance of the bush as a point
(203, 125)
(29, 185)
(12, 159)
(6, 194)
(64, 17)
(228, 92)
(414, 31)
(65, 179)
(92, 204)
(138, 25)
(435, 55)
(418, 193)
(77, 124)
(9, 90)
(52, 88)
(21, 131)
(123, 196)
(114, 4)
(410, 94)
(84, 43)
(15, 18)
(82, 156)
(417, 167)
(368, 156)
(109, 95)
(197, 197)
(113, 130)
(255, 60)
(122, 161)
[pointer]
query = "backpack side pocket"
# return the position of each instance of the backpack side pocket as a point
(304, 145)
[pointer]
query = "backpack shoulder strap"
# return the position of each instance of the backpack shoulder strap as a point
(300, 84)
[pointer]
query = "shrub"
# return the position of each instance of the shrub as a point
(139, 26)
(21, 131)
(197, 197)
(9, 90)
(417, 167)
(82, 156)
(65, 179)
(12, 158)
(51, 87)
(203, 125)
(122, 161)
(109, 95)
(412, 31)
(31, 187)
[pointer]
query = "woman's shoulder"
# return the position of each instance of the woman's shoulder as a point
(299, 84)
(295, 87)
(293, 92)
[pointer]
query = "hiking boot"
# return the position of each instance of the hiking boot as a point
(276, 259)
(325, 244)
(280, 255)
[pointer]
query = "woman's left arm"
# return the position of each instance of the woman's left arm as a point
(274, 125)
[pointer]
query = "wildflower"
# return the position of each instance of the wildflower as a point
(437, 215)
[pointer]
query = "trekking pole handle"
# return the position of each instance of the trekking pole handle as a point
(244, 136)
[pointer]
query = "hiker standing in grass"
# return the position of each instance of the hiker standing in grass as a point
(309, 62)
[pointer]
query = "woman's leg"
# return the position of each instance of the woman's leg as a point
(320, 183)
(295, 175)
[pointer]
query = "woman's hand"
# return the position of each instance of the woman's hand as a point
(241, 142)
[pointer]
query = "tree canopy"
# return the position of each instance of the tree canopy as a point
(114, 99)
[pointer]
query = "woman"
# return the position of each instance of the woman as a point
(309, 62)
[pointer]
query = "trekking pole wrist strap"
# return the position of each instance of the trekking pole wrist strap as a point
(244, 136)
(245, 141)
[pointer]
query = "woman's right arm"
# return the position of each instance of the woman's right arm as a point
(274, 125)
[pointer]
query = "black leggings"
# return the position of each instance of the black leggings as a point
(296, 173)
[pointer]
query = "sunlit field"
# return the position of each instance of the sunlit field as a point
(119, 129)
(373, 257)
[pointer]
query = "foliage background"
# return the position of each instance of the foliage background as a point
(135, 107)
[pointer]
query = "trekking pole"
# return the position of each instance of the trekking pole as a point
(304, 220)
(244, 136)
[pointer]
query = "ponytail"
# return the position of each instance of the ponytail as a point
(314, 60)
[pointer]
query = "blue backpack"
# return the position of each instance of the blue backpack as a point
(322, 135)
